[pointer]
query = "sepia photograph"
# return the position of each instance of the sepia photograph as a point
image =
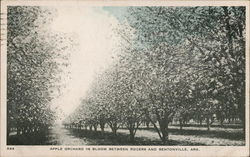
(104, 75)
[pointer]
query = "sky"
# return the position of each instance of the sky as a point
(93, 27)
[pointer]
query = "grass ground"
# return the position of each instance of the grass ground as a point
(191, 135)
(28, 139)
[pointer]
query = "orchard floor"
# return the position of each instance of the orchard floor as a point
(192, 135)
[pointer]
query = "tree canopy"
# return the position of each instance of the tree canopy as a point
(175, 63)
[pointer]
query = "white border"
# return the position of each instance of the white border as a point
(45, 150)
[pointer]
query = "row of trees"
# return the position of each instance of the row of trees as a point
(175, 62)
(35, 58)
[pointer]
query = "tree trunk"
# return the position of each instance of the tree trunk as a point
(102, 125)
(37, 129)
(95, 128)
(113, 127)
(8, 131)
(114, 131)
(28, 130)
(167, 138)
(221, 121)
(164, 138)
(24, 130)
(132, 135)
(164, 131)
(200, 122)
(181, 125)
(160, 131)
(208, 124)
(18, 131)
(147, 124)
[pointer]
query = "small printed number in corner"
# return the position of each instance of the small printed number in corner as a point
(10, 148)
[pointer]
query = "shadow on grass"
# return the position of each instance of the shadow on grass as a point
(225, 126)
(28, 139)
(107, 138)
(204, 133)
